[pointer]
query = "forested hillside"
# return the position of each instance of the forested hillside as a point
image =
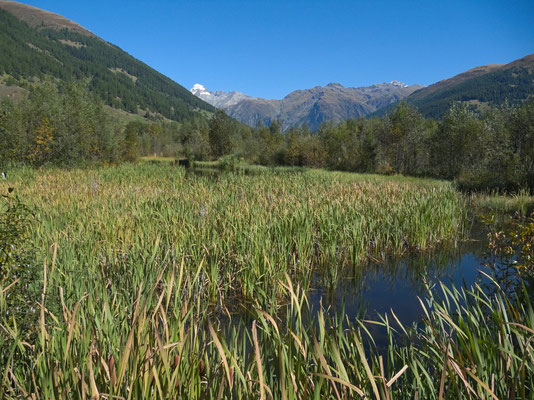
(511, 83)
(119, 79)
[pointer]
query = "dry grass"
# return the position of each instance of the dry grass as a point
(36, 17)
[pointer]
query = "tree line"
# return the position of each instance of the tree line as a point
(492, 150)
(68, 125)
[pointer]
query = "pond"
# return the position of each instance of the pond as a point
(397, 283)
(376, 289)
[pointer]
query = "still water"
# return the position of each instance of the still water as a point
(396, 284)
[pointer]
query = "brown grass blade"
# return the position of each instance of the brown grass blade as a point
(221, 353)
(258, 359)
(72, 324)
(397, 376)
(343, 382)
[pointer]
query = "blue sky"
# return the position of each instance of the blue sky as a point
(269, 48)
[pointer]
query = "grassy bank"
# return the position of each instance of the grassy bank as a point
(521, 202)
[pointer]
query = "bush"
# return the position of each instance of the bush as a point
(511, 253)
(229, 163)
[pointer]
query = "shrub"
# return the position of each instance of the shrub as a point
(511, 253)
(229, 163)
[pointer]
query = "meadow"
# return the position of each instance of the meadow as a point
(155, 282)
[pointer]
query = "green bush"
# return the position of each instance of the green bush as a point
(511, 253)
(229, 163)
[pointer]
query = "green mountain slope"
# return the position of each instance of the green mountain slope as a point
(480, 87)
(35, 44)
(486, 85)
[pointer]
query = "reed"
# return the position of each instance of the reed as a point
(120, 224)
(161, 284)
(160, 344)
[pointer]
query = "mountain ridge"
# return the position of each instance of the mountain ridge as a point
(53, 47)
(486, 85)
(313, 106)
(36, 17)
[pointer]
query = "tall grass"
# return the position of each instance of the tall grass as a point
(144, 268)
(118, 225)
(521, 202)
(160, 344)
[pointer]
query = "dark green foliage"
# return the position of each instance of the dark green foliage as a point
(14, 223)
(220, 132)
(402, 142)
(489, 151)
(63, 126)
(456, 144)
(510, 256)
(68, 125)
(195, 139)
(304, 149)
(229, 163)
(117, 78)
(349, 146)
(521, 125)
(265, 145)
(130, 146)
(10, 142)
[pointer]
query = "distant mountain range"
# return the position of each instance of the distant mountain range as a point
(479, 87)
(333, 102)
(35, 44)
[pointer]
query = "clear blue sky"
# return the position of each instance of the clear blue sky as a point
(269, 48)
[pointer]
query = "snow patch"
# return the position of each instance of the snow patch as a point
(398, 83)
(218, 99)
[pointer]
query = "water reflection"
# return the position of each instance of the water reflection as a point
(375, 289)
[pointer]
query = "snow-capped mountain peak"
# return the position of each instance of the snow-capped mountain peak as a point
(333, 102)
(398, 83)
(199, 89)
(218, 99)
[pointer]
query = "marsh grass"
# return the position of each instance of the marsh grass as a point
(246, 231)
(145, 267)
(521, 202)
(160, 344)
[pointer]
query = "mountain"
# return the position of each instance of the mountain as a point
(218, 99)
(37, 44)
(333, 102)
(480, 87)
(38, 18)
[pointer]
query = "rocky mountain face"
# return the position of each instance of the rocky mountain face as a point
(218, 99)
(333, 102)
